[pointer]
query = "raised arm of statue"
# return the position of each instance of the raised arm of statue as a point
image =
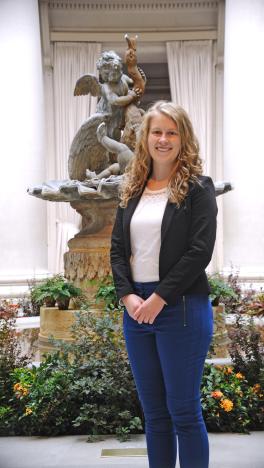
(124, 100)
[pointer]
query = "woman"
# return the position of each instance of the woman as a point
(162, 240)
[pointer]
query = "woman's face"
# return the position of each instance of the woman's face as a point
(164, 141)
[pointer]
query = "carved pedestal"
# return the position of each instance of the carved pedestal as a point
(88, 255)
(220, 338)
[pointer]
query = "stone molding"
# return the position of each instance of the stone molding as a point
(129, 5)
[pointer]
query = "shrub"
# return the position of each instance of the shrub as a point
(220, 290)
(230, 403)
(87, 388)
(246, 349)
(10, 353)
(11, 357)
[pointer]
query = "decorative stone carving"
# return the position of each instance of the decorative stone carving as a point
(220, 338)
(96, 214)
(130, 5)
(88, 260)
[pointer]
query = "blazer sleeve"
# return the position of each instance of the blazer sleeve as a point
(200, 243)
(118, 258)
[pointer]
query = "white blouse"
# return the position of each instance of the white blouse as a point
(145, 235)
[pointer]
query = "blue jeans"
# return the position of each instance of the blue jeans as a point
(167, 360)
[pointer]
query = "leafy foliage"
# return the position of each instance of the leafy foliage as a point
(256, 307)
(246, 349)
(87, 388)
(55, 290)
(106, 292)
(11, 357)
(220, 289)
(230, 403)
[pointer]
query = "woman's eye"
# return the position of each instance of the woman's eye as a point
(172, 133)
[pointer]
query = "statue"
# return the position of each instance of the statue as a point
(115, 95)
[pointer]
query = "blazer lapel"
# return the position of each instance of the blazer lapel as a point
(128, 213)
(171, 210)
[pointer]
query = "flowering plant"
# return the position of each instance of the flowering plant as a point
(230, 403)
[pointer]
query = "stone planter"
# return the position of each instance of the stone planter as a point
(56, 323)
(219, 346)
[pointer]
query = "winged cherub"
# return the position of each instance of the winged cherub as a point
(115, 95)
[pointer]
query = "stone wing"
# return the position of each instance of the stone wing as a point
(87, 84)
(86, 152)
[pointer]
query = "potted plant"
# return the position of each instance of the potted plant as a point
(56, 321)
(41, 293)
(62, 291)
(220, 290)
(55, 290)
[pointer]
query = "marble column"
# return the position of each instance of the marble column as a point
(23, 240)
(243, 133)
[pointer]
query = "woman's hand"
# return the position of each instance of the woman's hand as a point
(132, 303)
(149, 309)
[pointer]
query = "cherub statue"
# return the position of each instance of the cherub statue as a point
(115, 95)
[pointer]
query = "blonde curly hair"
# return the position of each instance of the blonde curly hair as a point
(188, 164)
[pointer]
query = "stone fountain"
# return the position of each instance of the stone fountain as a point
(98, 156)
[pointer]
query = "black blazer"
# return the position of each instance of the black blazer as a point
(187, 242)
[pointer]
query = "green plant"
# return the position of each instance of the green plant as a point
(87, 387)
(230, 403)
(11, 355)
(220, 289)
(255, 307)
(106, 292)
(112, 407)
(55, 290)
(75, 391)
(246, 349)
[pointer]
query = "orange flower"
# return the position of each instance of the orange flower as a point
(256, 388)
(28, 411)
(239, 375)
(17, 387)
(217, 394)
(227, 405)
(20, 390)
(229, 370)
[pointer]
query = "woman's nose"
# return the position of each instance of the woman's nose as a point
(163, 137)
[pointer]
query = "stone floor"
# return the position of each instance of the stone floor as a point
(227, 451)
